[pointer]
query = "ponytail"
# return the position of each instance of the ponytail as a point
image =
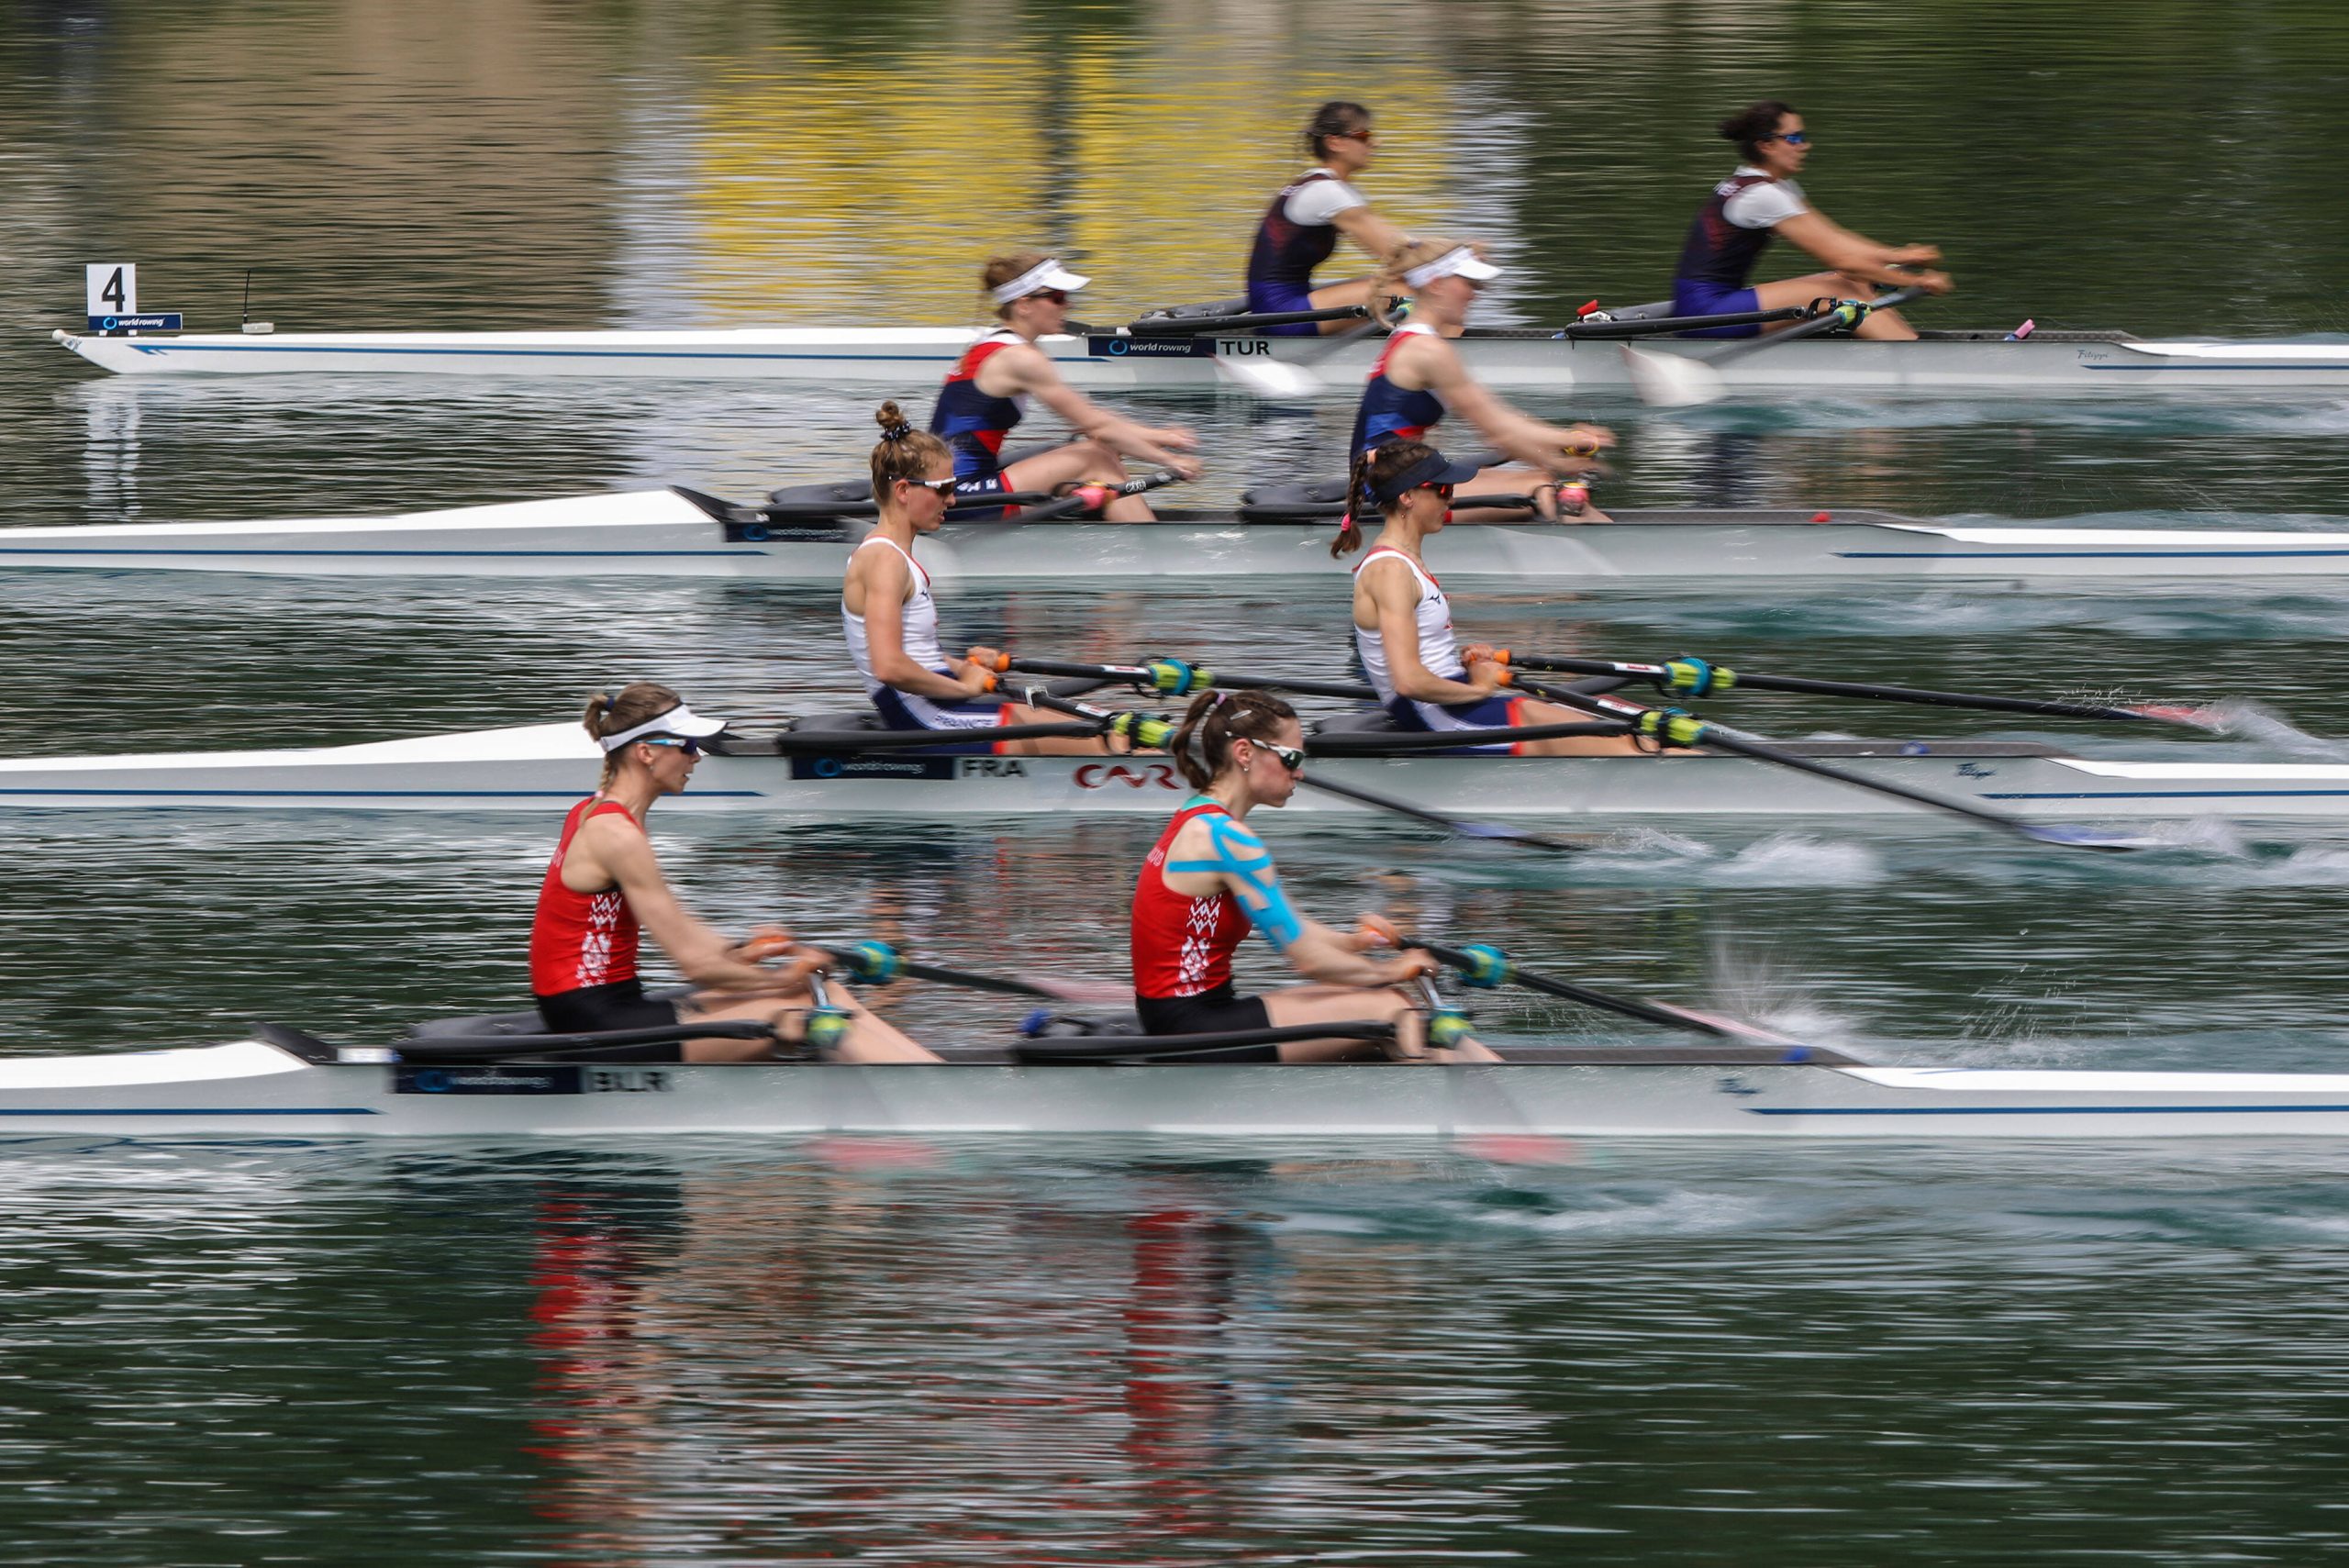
(1202, 745)
(903, 452)
(1752, 124)
(614, 713)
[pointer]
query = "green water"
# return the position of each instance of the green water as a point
(746, 1353)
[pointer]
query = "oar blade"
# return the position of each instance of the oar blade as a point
(1733, 1029)
(2073, 837)
(2212, 720)
(1268, 378)
(1672, 381)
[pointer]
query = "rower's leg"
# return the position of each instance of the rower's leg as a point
(1347, 1003)
(1512, 480)
(1056, 746)
(1531, 712)
(1079, 462)
(1883, 326)
(869, 1038)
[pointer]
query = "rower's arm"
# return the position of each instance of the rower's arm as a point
(1239, 860)
(1395, 595)
(1552, 448)
(1857, 256)
(887, 583)
(697, 950)
(1028, 369)
(1375, 232)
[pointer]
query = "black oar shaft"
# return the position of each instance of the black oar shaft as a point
(1629, 1006)
(1867, 691)
(1240, 321)
(1143, 676)
(1437, 818)
(1727, 739)
(1826, 321)
(1658, 326)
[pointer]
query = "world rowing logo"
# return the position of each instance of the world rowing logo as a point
(1101, 775)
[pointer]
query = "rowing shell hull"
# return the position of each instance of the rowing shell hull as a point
(915, 356)
(544, 768)
(251, 1089)
(665, 533)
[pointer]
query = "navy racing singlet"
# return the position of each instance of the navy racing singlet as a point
(1390, 412)
(1717, 251)
(972, 423)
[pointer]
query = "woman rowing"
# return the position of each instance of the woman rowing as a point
(891, 620)
(987, 393)
(604, 884)
(1760, 201)
(1300, 228)
(1420, 379)
(1209, 879)
(1403, 623)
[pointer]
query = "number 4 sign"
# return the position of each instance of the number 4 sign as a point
(114, 288)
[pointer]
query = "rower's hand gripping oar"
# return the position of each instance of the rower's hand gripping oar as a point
(1676, 727)
(1677, 381)
(1690, 676)
(1484, 967)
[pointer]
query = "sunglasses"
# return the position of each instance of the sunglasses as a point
(1290, 757)
(1051, 297)
(941, 488)
(1792, 139)
(1442, 491)
(690, 748)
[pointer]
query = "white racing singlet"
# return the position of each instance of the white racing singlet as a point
(1438, 651)
(918, 635)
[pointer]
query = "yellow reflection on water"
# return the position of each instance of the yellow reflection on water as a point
(876, 189)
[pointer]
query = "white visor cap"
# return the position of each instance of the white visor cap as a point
(1460, 261)
(680, 721)
(1047, 274)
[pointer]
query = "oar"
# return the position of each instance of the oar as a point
(1156, 734)
(876, 964)
(1093, 497)
(1176, 678)
(1663, 325)
(1671, 726)
(1484, 967)
(1295, 378)
(1697, 677)
(1239, 321)
(1675, 381)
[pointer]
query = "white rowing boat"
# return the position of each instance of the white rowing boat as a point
(542, 768)
(682, 533)
(902, 357)
(282, 1084)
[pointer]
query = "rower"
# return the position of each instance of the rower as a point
(1210, 878)
(1760, 201)
(603, 881)
(1300, 228)
(987, 393)
(891, 620)
(1420, 379)
(1403, 623)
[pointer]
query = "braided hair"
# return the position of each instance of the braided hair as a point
(903, 452)
(1202, 745)
(1371, 469)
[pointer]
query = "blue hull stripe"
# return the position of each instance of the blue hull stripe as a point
(2045, 1110)
(203, 1110)
(2167, 794)
(358, 794)
(491, 555)
(2094, 555)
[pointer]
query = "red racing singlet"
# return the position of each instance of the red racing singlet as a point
(1181, 945)
(579, 939)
